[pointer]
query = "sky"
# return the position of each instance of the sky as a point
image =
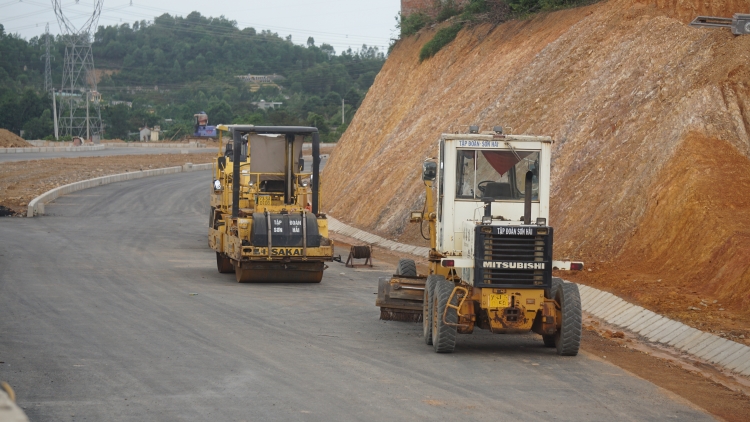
(340, 23)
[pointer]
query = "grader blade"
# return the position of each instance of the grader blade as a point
(279, 272)
(393, 314)
(400, 298)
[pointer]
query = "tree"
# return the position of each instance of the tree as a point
(176, 70)
(39, 127)
(318, 121)
(221, 112)
(118, 118)
(310, 42)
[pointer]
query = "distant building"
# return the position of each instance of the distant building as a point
(265, 105)
(127, 103)
(261, 79)
(155, 133)
(145, 134)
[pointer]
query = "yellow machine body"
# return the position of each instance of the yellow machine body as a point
(240, 246)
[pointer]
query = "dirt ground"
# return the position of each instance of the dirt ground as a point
(11, 140)
(699, 384)
(22, 181)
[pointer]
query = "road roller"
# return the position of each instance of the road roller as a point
(265, 221)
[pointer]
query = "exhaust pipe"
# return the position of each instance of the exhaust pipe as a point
(237, 138)
(527, 198)
(315, 171)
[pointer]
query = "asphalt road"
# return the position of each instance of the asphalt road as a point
(101, 153)
(111, 309)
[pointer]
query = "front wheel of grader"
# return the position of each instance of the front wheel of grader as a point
(444, 331)
(568, 336)
(429, 291)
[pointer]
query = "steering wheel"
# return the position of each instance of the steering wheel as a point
(483, 184)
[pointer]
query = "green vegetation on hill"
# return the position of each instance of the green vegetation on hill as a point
(174, 67)
(476, 11)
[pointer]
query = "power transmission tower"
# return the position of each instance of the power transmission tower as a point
(47, 67)
(79, 113)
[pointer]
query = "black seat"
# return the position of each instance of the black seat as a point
(498, 190)
(272, 186)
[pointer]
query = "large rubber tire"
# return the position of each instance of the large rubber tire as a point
(224, 264)
(406, 267)
(443, 335)
(568, 338)
(549, 340)
(429, 289)
(556, 282)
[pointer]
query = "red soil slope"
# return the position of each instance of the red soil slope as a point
(651, 120)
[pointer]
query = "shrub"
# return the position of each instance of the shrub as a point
(411, 24)
(442, 38)
(447, 10)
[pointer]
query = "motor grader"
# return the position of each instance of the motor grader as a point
(265, 224)
(490, 261)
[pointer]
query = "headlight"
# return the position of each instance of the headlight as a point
(487, 220)
(217, 185)
(541, 221)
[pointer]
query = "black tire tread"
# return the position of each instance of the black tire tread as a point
(556, 282)
(444, 339)
(429, 289)
(406, 267)
(568, 339)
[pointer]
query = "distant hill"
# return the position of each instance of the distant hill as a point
(173, 67)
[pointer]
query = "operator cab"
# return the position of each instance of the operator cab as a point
(490, 168)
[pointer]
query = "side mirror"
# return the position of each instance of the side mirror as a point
(429, 171)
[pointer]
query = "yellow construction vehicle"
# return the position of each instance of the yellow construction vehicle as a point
(490, 263)
(265, 224)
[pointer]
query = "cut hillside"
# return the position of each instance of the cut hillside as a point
(11, 140)
(650, 117)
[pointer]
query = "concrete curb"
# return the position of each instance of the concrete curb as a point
(652, 327)
(51, 149)
(36, 206)
(339, 227)
(152, 145)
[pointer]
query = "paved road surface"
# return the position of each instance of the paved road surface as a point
(111, 309)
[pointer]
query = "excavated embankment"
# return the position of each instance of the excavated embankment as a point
(651, 120)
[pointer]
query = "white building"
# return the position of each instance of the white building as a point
(265, 105)
(145, 134)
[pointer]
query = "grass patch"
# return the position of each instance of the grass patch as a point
(474, 12)
(447, 10)
(442, 38)
(411, 24)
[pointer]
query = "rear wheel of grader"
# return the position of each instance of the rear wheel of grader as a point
(568, 337)
(443, 335)
(549, 340)
(406, 267)
(224, 264)
(429, 289)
